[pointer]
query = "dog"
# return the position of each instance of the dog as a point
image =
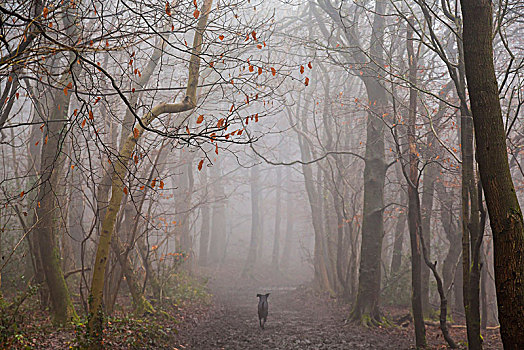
(263, 308)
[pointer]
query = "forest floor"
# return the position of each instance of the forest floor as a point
(298, 318)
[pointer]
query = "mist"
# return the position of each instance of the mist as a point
(354, 165)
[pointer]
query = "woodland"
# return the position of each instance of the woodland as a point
(163, 162)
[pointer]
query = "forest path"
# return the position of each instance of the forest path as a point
(297, 320)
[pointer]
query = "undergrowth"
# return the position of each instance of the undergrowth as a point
(23, 328)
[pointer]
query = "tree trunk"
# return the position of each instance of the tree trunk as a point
(503, 206)
(120, 172)
(414, 216)
(206, 222)
(255, 223)
(367, 302)
(218, 216)
(183, 197)
(287, 252)
(398, 242)
(276, 241)
(428, 188)
(47, 212)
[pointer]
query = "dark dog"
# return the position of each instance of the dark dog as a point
(263, 308)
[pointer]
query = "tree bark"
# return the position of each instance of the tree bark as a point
(287, 252)
(276, 241)
(51, 166)
(398, 241)
(255, 223)
(503, 206)
(367, 302)
(428, 189)
(120, 172)
(218, 217)
(206, 222)
(414, 216)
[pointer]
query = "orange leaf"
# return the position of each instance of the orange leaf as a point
(168, 9)
(91, 115)
(161, 184)
(251, 68)
(153, 183)
(309, 65)
(45, 141)
(221, 37)
(259, 46)
(22, 194)
(195, 3)
(83, 123)
(46, 11)
(306, 82)
(200, 164)
(220, 123)
(216, 148)
(196, 13)
(273, 71)
(254, 35)
(200, 119)
(65, 91)
(301, 69)
(136, 133)
(155, 247)
(125, 190)
(259, 70)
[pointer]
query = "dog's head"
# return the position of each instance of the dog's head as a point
(263, 297)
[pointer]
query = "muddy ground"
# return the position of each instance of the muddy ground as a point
(298, 319)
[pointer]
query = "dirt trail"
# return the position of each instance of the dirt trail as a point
(297, 320)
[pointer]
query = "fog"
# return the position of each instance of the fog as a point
(359, 158)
